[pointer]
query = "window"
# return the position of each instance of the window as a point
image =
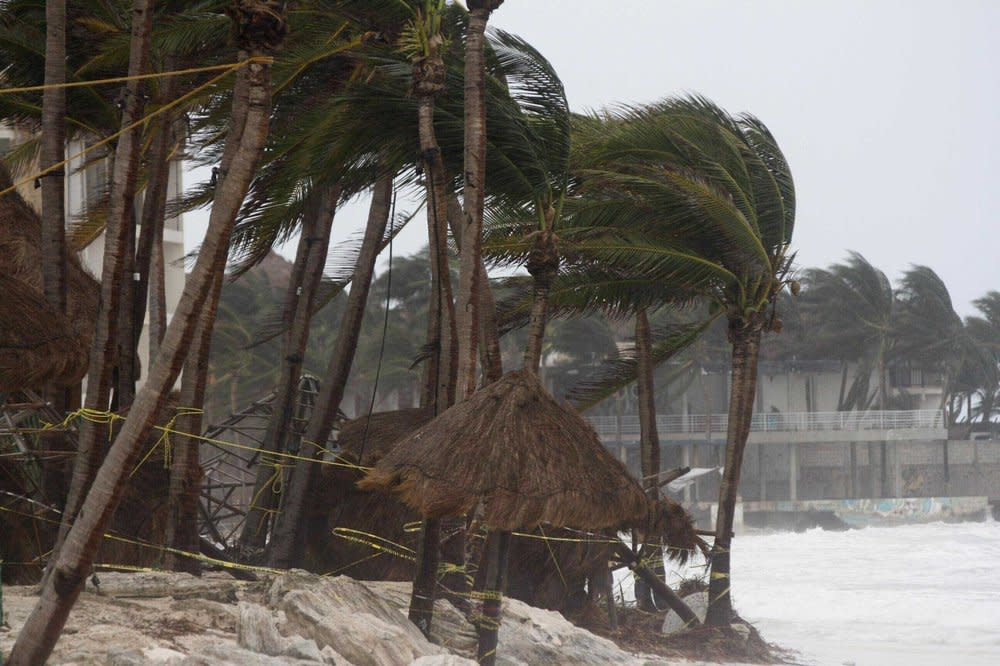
(96, 179)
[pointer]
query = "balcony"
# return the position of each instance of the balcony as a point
(783, 427)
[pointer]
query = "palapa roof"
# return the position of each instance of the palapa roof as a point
(529, 460)
(384, 429)
(21, 258)
(37, 344)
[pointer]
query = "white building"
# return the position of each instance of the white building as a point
(83, 188)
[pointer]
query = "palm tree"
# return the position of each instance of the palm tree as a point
(471, 270)
(104, 350)
(705, 200)
(53, 152)
(930, 333)
(980, 376)
(852, 313)
(288, 541)
(260, 27)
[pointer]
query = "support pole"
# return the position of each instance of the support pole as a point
(425, 580)
(658, 586)
(488, 626)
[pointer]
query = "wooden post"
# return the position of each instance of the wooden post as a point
(425, 581)
(610, 601)
(488, 626)
(658, 586)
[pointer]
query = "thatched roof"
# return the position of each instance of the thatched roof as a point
(21, 258)
(384, 429)
(527, 458)
(37, 344)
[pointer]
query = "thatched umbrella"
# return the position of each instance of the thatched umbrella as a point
(555, 570)
(522, 458)
(525, 457)
(366, 440)
(38, 345)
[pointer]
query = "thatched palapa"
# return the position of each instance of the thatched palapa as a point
(366, 440)
(21, 258)
(37, 344)
(528, 459)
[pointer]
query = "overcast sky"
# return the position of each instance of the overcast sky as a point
(886, 110)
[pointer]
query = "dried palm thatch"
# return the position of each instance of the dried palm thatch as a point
(366, 440)
(528, 460)
(37, 344)
(21, 258)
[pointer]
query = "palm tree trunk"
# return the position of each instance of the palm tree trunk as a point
(471, 249)
(314, 244)
(536, 324)
(649, 444)
(441, 373)
(102, 353)
(53, 219)
(251, 113)
(441, 332)
(649, 441)
(127, 365)
(746, 348)
(181, 530)
(489, 333)
(149, 259)
(53, 152)
(289, 532)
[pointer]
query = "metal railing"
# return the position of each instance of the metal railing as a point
(778, 422)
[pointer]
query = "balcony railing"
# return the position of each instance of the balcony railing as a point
(778, 422)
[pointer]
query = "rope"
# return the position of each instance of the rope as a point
(106, 417)
(137, 77)
(163, 109)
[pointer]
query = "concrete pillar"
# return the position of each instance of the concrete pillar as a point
(686, 462)
(897, 469)
(873, 473)
(793, 472)
(947, 467)
(762, 472)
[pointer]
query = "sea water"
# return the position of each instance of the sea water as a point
(913, 594)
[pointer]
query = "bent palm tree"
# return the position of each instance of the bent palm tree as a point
(251, 114)
(705, 201)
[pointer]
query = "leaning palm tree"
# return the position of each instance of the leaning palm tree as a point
(259, 27)
(703, 200)
(853, 314)
(979, 377)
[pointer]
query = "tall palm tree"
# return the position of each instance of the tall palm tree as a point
(980, 377)
(103, 353)
(471, 270)
(53, 152)
(852, 313)
(260, 27)
(705, 199)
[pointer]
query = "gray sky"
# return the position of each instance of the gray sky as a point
(886, 110)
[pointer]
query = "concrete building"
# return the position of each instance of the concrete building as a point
(800, 448)
(86, 179)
